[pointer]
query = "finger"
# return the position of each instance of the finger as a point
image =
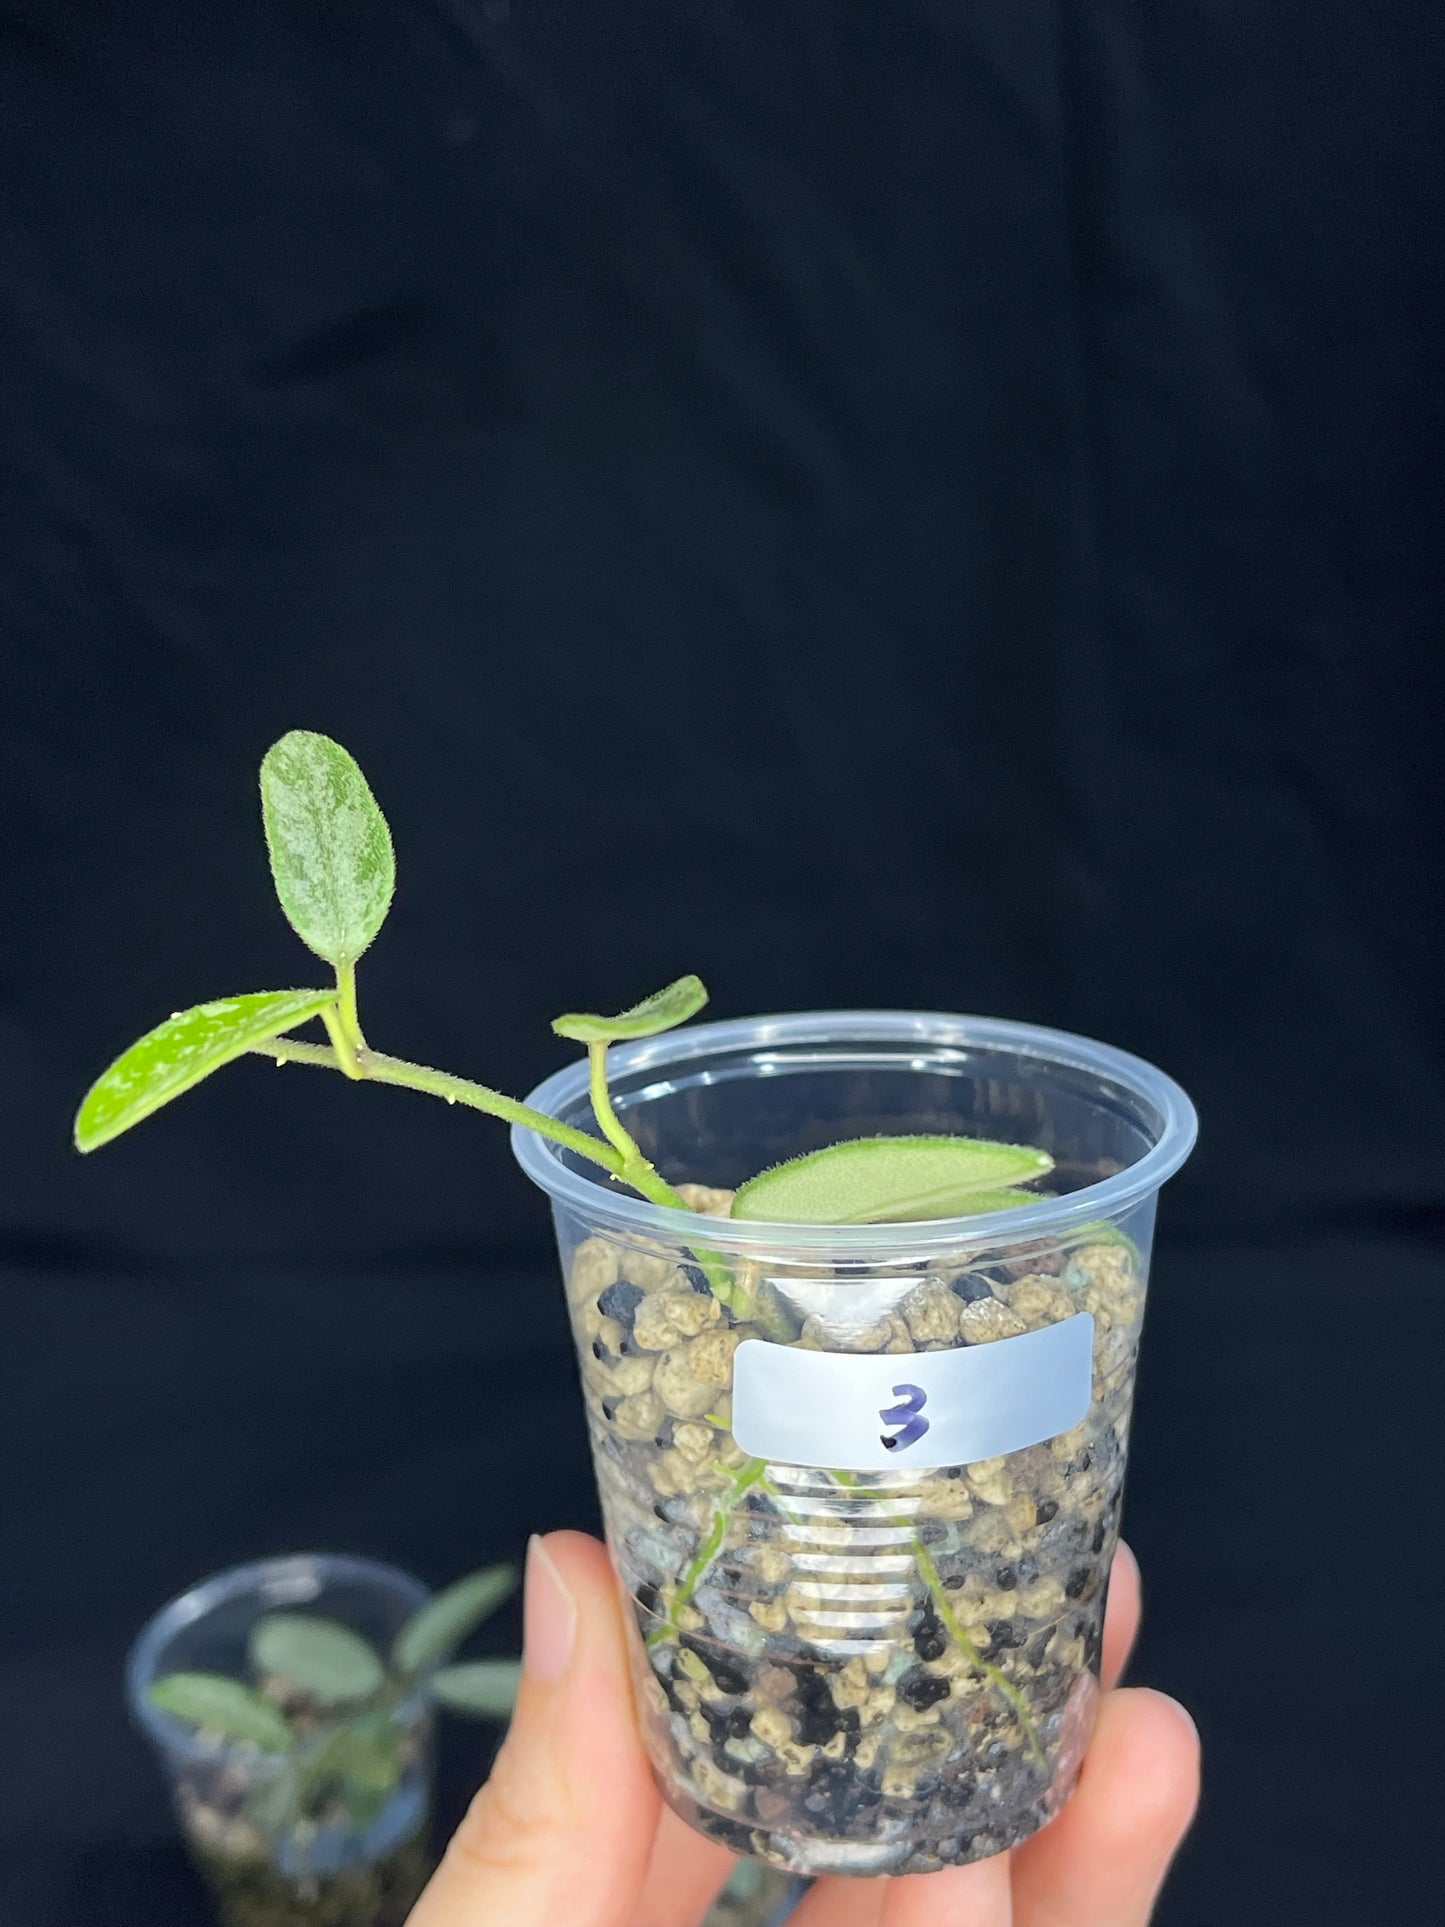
(562, 1830)
(975, 1896)
(841, 1903)
(683, 1877)
(1121, 1616)
(1102, 1862)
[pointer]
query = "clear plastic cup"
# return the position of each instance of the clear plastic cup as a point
(852, 1656)
(273, 1861)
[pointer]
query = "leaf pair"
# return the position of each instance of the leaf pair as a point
(332, 861)
(334, 1667)
(486, 1688)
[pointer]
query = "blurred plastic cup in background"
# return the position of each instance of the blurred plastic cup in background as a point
(272, 1857)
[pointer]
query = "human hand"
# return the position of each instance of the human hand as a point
(569, 1831)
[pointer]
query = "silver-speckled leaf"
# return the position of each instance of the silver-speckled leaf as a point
(331, 853)
(225, 1706)
(444, 1622)
(484, 1687)
(180, 1052)
(664, 1010)
(889, 1180)
(324, 1658)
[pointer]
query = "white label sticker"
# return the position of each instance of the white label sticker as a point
(869, 1412)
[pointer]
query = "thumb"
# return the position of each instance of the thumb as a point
(560, 1834)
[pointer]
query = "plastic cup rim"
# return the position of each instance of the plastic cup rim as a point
(593, 1198)
(175, 1736)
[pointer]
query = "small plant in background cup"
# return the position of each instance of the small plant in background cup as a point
(291, 1702)
(857, 1298)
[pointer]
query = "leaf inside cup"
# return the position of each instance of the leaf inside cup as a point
(225, 1706)
(892, 1180)
(324, 1659)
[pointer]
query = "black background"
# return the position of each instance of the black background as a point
(933, 505)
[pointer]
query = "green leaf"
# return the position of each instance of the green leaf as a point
(444, 1622)
(330, 847)
(180, 1052)
(360, 1761)
(363, 1803)
(976, 1202)
(662, 1011)
(367, 1758)
(212, 1700)
(324, 1658)
(888, 1180)
(484, 1687)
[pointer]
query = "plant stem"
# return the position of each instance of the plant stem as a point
(751, 1475)
(928, 1572)
(346, 1055)
(636, 1169)
(375, 1067)
(620, 1158)
(612, 1126)
(346, 1004)
(644, 1177)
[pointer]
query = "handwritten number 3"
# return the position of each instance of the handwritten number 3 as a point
(908, 1414)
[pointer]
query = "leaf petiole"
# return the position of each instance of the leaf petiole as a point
(341, 1044)
(346, 1004)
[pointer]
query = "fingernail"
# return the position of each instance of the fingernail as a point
(551, 1618)
(1182, 1714)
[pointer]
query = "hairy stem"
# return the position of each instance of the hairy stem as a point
(375, 1067)
(620, 1159)
(346, 1053)
(346, 1004)
(612, 1127)
(644, 1177)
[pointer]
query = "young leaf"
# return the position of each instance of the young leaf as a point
(484, 1687)
(664, 1010)
(888, 1180)
(212, 1700)
(180, 1052)
(324, 1658)
(367, 1756)
(444, 1622)
(359, 1762)
(330, 848)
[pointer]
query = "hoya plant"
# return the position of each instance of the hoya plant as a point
(335, 872)
(325, 1701)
